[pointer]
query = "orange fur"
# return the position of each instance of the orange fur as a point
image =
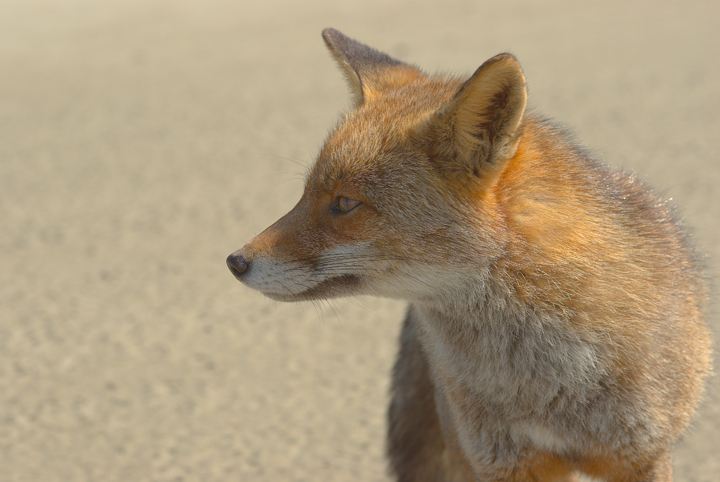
(556, 311)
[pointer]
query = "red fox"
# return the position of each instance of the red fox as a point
(555, 323)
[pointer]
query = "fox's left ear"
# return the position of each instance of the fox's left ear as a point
(481, 124)
(366, 69)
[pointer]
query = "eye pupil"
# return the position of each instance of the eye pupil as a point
(345, 204)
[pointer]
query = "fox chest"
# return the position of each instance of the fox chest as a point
(506, 374)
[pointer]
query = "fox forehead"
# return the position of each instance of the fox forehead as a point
(374, 141)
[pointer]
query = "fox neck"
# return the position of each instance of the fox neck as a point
(485, 342)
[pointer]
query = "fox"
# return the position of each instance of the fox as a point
(555, 328)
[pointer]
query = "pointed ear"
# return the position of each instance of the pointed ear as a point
(481, 124)
(365, 68)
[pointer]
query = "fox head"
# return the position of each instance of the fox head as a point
(401, 201)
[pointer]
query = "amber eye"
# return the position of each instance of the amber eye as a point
(343, 205)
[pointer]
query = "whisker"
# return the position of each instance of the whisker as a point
(294, 161)
(330, 305)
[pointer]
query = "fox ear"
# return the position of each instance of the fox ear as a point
(481, 124)
(365, 68)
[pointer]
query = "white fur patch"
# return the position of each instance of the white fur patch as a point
(271, 275)
(587, 478)
(540, 436)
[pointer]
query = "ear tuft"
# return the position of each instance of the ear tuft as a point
(481, 124)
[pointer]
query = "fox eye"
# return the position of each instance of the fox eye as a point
(343, 205)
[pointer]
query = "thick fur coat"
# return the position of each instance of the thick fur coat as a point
(555, 323)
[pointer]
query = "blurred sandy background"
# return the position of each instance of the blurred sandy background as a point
(142, 141)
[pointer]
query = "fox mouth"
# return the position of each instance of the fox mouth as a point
(334, 287)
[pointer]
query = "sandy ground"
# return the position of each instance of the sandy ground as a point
(141, 142)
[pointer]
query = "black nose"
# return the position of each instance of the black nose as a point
(237, 264)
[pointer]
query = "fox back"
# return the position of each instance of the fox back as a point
(555, 322)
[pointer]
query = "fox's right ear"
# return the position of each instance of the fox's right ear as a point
(365, 68)
(482, 123)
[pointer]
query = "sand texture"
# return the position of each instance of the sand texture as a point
(142, 141)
